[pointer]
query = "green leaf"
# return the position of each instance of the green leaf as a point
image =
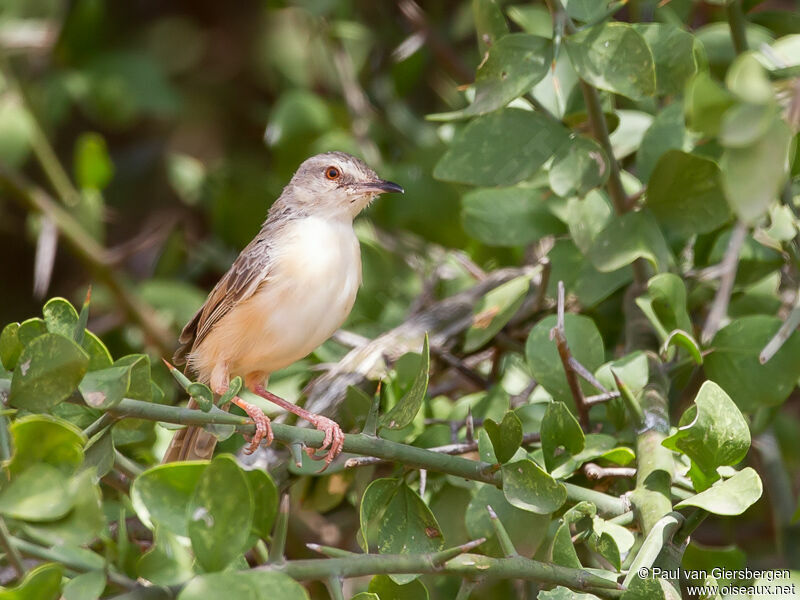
(10, 346)
(60, 317)
(250, 584)
(506, 437)
(41, 583)
(508, 216)
(626, 238)
(678, 337)
(265, 501)
(587, 10)
(201, 394)
(87, 586)
(560, 429)
(140, 387)
(528, 487)
(45, 439)
(513, 65)
(494, 310)
(632, 369)
(220, 514)
(562, 593)
(752, 176)
(586, 217)
(490, 24)
(168, 562)
(527, 530)
(705, 103)
(387, 589)
(105, 388)
(745, 124)
(408, 527)
(613, 56)
(578, 166)
(93, 166)
(408, 406)
(99, 356)
(664, 304)
(366, 596)
(100, 453)
(30, 329)
(734, 363)
(730, 497)
(677, 55)
(586, 346)
(83, 523)
(685, 193)
(748, 79)
(48, 371)
(500, 148)
(712, 433)
(666, 132)
(563, 550)
(39, 493)
(373, 504)
(160, 494)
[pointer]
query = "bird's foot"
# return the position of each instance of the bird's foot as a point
(334, 439)
(261, 422)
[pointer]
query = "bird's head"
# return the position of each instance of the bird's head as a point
(336, 184)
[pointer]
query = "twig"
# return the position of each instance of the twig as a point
(514, 567)
(456, 363)
(595, 471)
(730, 262)
(451, 449)
(737, 24)
(12, 554)
(586, 374)
(784, 333)
(559, 334)
(600, 398)
(358, 443)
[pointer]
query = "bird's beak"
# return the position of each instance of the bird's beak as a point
(381, 186)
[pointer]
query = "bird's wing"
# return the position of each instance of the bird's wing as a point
(248, 271)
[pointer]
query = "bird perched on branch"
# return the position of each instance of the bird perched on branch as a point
(284, 295)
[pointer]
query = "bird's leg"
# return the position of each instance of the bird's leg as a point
(334, 437)
(260, 420)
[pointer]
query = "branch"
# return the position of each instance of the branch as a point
(465, 565)
(784, 333)
(12, 554)
(559, 334)
(738, 25)
(92, 254)
(730, 262)
(357, 443)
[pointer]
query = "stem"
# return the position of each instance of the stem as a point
(92, 254)
(692, 522)
(99, 425)
(278, 544)
(12, 554)
(651, 498)
(126, 466)
(469, 565)
(559, 333)
(730, 262)
(738, 25)
(358, 443)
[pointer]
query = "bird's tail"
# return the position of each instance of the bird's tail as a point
(191, 443)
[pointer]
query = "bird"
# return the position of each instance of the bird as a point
(286, 293)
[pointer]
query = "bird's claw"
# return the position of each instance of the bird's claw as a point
(261, 421)
(334, 440)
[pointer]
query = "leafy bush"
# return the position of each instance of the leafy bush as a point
(547, 397)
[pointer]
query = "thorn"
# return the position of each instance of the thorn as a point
(88, 295)
(166, 362)
(470, 423)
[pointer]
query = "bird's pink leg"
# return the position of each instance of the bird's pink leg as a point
(260, 420)
(334, 437)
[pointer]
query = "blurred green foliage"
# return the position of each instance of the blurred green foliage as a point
(166, 130)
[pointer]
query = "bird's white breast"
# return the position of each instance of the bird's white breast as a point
(307, 296)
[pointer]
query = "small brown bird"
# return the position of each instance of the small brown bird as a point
(284, 295)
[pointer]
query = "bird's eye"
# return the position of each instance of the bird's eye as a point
(332, 173)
